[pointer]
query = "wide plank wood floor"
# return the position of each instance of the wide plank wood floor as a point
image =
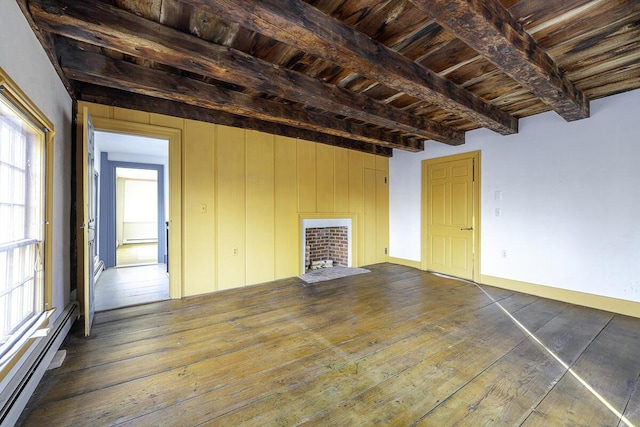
(396, 346)
(125, 286)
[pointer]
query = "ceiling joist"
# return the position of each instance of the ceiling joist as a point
(368, 75)
(305, 27)
(98, 69)
(488, 28)
(123, 99)
(127, 33)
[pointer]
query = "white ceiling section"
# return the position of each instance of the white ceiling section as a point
(109, 142)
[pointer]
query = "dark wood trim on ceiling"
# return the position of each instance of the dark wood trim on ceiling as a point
(368, 75)
(125, 32)
(123, 99)
(488, 28)
(101, 70)
(303, 26)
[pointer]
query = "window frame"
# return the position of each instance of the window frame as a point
(20, 101)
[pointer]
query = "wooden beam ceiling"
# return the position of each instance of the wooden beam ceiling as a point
(47, 41)
(363, 74)
(305, 27)
(123, 99)
(127, 33)
(488, 28)
(99, 69)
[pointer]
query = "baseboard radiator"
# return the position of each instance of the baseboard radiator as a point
(20, 388)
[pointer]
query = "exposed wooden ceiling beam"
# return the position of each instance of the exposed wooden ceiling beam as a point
(119, 98)
(101, 70)
(113, 28)
(48, 44)
(488, 28)
(307, 28)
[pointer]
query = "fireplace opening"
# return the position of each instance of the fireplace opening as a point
(326, 247)
(326, 242)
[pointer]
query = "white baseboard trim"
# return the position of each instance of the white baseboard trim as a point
(20, 387)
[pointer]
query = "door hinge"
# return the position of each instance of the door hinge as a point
(473, 171)
(385, 251)
(385, 179)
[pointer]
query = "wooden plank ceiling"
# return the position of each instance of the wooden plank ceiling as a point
(371, 75)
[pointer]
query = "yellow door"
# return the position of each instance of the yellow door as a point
(86, 212)
(382, 217)
(370, 224)
(376, 216)
(449, 215)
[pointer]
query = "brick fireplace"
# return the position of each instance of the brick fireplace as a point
(327, 243)
(326, 239)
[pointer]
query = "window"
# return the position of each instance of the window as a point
(140, 204)
(23, 215)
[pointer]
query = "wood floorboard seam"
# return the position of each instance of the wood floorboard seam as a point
(453, 393)
(220, 295)
(293, 387)
(208, 325)
(398, 347)
(269, 309)
(560, 378)
(626, 406)
(189, 303)
(566, 370)
(594, 339)
(535, 340)
(487, 303)
(250, 314)
(542, 397)
(397, 374)
(193, 396)
(526, 337)
(388, 326)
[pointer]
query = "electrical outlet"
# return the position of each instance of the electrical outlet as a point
(234, 251)
(503, 253)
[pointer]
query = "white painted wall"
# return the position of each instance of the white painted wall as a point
(570, 200)
(155, 160)
(23, 58)
(136, 149)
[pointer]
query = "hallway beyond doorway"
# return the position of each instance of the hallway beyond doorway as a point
(125, 286)
(137, 254)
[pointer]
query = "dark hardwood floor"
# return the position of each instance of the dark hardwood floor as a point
(396, 346)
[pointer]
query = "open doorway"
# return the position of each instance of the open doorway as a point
(136, 194)
(131, 227)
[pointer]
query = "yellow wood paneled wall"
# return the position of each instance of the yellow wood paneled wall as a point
(199, 206)
(242, 192)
